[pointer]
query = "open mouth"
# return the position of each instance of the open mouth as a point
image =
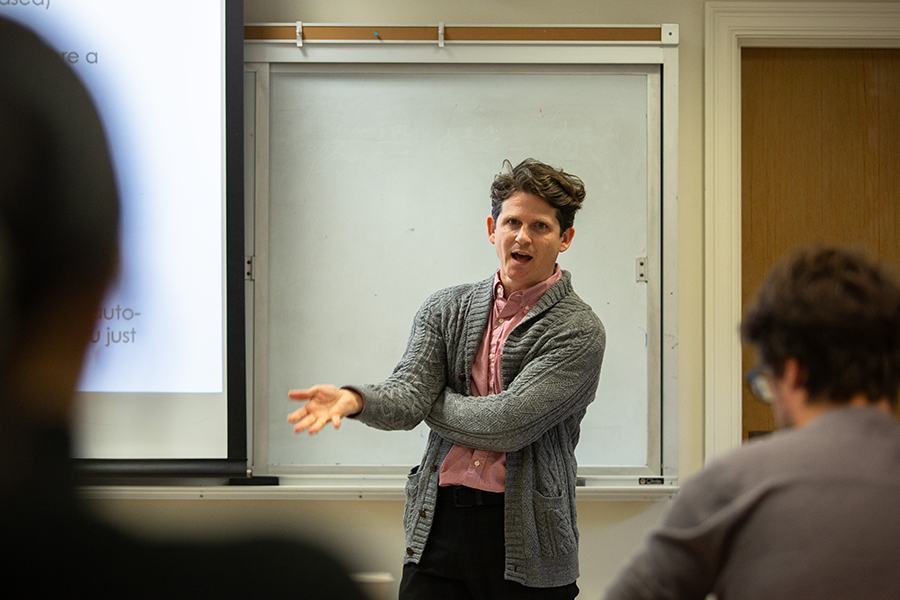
(519, 257)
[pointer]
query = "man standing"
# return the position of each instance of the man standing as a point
(502, 371)
(812, 511)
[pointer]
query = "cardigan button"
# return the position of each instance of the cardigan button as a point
(433, 468)
(409, 551)
(421, 512)
(462, 376)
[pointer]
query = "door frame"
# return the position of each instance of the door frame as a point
(730, 26)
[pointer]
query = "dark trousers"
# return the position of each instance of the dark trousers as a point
(465, 554)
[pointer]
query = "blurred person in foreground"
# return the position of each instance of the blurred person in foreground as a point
(811, 511)
(59, 214)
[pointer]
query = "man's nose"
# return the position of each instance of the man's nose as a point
(522, 237)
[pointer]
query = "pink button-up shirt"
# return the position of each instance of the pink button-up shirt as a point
(485, 469)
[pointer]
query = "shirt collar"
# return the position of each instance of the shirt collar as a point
(529, 296)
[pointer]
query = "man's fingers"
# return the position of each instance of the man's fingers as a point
(302, 423)
(317, 425)
(305, 394)
(310, 423)
(313, 424)
(296, 415)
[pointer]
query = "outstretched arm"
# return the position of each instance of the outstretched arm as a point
(399, 402)
(402, 400)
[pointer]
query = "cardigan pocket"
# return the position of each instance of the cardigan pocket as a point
(554, 525)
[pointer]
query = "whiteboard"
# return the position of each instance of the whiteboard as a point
(378, 195)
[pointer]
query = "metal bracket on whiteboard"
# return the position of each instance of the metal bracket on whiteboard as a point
(440, 35)
(299, 34)
(249, 275)
(641, 268)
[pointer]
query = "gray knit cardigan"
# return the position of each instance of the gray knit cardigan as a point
(551, 367)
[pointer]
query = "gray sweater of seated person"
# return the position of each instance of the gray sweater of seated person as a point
(550, 369)
(810, 512)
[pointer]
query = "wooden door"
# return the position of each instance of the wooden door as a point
(820, 163)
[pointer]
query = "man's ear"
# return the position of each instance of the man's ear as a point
(794, 374)
(491, 228)
(566, 240)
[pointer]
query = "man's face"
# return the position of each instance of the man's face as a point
(528, 240)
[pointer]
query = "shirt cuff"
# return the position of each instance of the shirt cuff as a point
(361, 395)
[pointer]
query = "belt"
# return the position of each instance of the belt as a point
(462, 496)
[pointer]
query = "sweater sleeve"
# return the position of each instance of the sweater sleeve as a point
(403, 399)
(558, 381)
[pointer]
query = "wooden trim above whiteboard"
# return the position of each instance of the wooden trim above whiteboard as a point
(302, 33)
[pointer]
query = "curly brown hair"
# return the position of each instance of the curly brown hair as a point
(838, 315)
(563, 191)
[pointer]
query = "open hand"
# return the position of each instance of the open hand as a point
(324, 403)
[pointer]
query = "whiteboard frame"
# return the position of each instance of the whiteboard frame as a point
(262, 58)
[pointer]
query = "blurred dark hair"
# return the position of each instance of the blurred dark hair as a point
(59, 208)
(563, 191)
(838, 315)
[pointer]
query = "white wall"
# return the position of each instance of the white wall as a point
(368, 534)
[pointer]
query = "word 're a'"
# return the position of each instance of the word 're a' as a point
(74, 58)
(44, 3)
